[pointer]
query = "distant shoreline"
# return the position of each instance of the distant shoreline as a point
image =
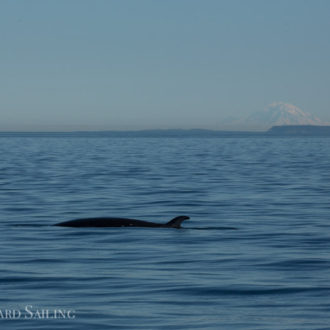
(285, 130)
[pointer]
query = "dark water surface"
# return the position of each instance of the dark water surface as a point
(273, 272)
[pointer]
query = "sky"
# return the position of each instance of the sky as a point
(141, 64)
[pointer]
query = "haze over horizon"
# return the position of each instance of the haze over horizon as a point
(117, 65)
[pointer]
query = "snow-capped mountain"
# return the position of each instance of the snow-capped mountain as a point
(280, 113)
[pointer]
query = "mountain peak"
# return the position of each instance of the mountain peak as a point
(280, 113)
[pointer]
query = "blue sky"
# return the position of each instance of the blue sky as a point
(135, 64)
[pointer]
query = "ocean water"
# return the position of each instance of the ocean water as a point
(271, 272)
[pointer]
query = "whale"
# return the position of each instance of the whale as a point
(122, 222)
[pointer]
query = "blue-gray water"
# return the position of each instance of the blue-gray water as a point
(270, 273)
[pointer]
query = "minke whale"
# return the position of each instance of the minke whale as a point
(122, 222)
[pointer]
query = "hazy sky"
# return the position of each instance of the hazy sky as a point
(132, 64)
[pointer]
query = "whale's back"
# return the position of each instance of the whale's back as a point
(107, 222)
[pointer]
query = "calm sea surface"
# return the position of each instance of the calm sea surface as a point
(272, 272)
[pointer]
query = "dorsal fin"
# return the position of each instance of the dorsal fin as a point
(176, 222)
